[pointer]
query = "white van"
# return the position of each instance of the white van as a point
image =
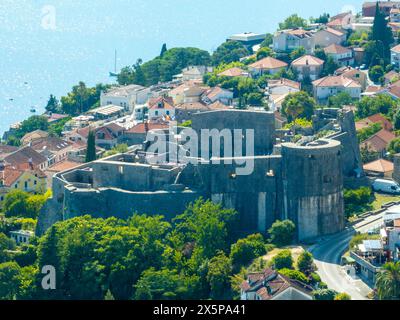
(387, 186)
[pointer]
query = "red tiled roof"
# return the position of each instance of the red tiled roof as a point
(284, 82)
(308, 60)
(269, 63)
(63, 165)
(23, 156)
(232, 72)
(145, 127)
(163, 102)
(336, 49)
(381, 165)
(379, 141)
(336, 81)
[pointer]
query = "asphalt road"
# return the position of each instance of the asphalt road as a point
(327, 255)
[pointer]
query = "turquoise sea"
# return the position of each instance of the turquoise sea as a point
(47, 46)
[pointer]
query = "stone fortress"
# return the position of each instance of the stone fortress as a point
(300, 181)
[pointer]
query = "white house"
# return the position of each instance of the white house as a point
(283, 86)
(342, 21)
(218, 94)
(192, 73)
(162, 107)
(267, 65)
(395, 55)
(332, 85)
(327, 36)
(288, 40)
(125, 96)
(22, 236)
(308, 66)
(341, 55)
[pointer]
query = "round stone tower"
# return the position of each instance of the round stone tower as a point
(313, 187)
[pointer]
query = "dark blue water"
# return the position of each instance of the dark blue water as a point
(48, 46)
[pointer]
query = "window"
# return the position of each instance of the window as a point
(26, 184)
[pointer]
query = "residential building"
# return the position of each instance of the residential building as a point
(25, 179)
(354, 74)
(55, 117)
(332, 85)
(188, 91)
(379, 142)
(162, 107)
(267, 65)
(26, 157)
(369, 8)
(125, 96)
(376, 118)
(137, 134)
(234, 72)
(185, 111)
(215, 94)
(193, 73)
(53, 148)
(395, 56)
(379, 168)
(391, 76)
(248, 39)
(22, 236)
(395, 15)
(108, 112)
(341, 55)
(308, 67)
(271, 285)
(327, 36)
(342, 21)
(283, 86)
(31, 136)
(289, 40)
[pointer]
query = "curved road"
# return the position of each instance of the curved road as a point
(327, 255)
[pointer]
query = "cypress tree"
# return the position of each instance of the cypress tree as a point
(163, 50)
(382, 34)
(91, 147)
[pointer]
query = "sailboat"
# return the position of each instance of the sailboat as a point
(114, 74)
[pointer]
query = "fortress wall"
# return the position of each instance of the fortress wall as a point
(313, 188)
(263, 124)
(122, 204)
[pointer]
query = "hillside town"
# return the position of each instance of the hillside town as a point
(318, 217)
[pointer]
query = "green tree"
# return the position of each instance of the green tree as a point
(382, 33)
(324, 294)
(324, 18)
(368, 106)
(388, 281)
(15, 203)
(330, 66)
(297, 53)
(9, 284)
(163, 50)
(294, 274)
(283, 260)
(282, 232)
(394, 146)
(342, 296)
(298, 105)
(219, 276)
(246, 250)
(396, 120)
(91, 147)
(264, 52)
(376, 73)
(293, 22)
(228, 52)
(269, 38)
(305, 263)
(339, 100)
(53, 105)
(5, 244)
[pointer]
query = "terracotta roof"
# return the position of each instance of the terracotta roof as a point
(396, 49)
(232, 72)
(193, 106)
(161, 102)
(379, 141)
(308, 60)
(335, 32)
(23, 156)
(336, 81)
(391, 75)
(34, 135)
(268, 63)
(50, 143)
(6, 149)
(300, 33)
(63, 165)
(214, 92)
(284, 82)
(394, 90)
(336, 49)
(145, 127)
(373, 89)
(11, 174)
(380, 118)
(381, 165)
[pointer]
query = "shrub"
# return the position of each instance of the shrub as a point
(283, 260)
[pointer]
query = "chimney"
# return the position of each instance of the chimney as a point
(30, 162)
(146, 127)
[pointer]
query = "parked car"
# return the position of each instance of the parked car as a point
(386, 186)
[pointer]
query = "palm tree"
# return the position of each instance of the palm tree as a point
(388, 281)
